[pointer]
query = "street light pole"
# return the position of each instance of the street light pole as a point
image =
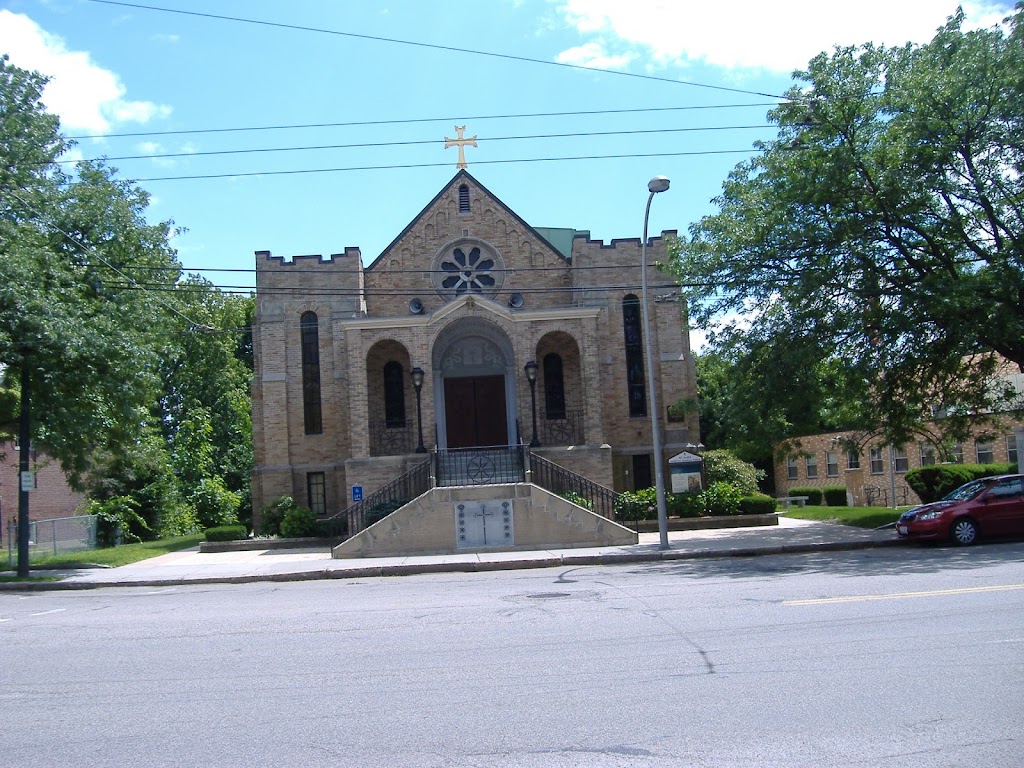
(657, 184)
(531, 376)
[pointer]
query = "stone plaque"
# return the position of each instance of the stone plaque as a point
(484, 524)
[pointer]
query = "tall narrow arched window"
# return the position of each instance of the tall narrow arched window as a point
(463, 199)
(554, 387)
(394, 395)
(309, 326)
(636, 391)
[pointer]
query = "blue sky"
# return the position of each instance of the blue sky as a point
(118, 69)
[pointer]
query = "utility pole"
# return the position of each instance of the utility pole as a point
(24, 440)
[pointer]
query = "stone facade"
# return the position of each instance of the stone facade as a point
(468, 293)
(868, 472)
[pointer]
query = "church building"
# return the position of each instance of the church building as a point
(473, 331)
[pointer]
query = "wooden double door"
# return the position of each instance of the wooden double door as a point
(475, 411)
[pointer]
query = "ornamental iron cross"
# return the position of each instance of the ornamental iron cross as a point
(461, 143)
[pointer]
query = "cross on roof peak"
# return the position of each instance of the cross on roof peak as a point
(461, 142)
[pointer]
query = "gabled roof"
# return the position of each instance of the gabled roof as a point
(460, 177)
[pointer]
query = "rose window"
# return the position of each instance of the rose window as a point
(467, 266)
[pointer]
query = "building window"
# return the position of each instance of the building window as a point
(1011, 448)
(984, 451)
(875, 459)
(637, 392)
(642, 477)
(309, 326)
(463, 199)
(791, 470)
(554, 387)
(831, 463)
(812, 466)
(956, 453)
(394, 395)
(852, 460)
(900, 461)
(316, 493)
(927, 454)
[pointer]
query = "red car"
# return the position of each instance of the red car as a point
(991, 506)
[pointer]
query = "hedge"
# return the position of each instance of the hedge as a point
(226, 533)
(933, 482)
(835, 495)
(813, 494)
(757, 504)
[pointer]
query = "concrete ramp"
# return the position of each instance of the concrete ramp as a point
(485, 518)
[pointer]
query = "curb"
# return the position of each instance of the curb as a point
(483, 566)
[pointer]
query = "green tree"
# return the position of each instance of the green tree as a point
(881, 234)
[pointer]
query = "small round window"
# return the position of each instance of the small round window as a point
(467, 266)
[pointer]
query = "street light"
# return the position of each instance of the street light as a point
(531, 376)
(417, 384)
(655, 185)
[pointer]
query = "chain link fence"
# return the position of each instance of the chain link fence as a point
(61, 534)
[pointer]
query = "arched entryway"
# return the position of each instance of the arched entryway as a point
(474, 385)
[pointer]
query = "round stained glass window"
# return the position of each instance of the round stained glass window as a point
(467, 267)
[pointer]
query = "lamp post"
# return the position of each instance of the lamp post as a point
(655, 185)
(531, 376)
(417, 384)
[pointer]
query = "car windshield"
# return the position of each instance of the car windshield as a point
(968, 491)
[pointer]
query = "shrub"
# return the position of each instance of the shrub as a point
(813, 494)
(835, 495)
(933, 482)
(381, 509)
(215, 505)
(118, 521)
(722, 499)
(272, 515)
(226, 533)
(298, 522)
(757, 504)
(688, 504)
(723, 467)
(578, 500)
(636, 505)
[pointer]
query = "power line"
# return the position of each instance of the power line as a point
(420, 142)
(244, 174)
(410, 121)
(434, 46)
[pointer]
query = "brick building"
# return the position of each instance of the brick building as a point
(465, 296)
(51, 498)
(871, 471)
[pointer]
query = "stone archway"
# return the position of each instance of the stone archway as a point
(474, 385)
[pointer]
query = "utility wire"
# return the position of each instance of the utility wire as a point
(366, 145)
(435, 46)
(410, 121)
(436, 165)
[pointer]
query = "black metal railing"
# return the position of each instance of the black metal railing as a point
(480, 466)
(561, 481)
(390, 440)
(381, 502)
(567, 430)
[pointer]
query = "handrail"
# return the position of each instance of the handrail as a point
(559, 480)
(381, 502)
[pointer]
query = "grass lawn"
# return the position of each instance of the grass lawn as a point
(112, 556)
(862, 517)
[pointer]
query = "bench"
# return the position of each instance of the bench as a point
(786, 501)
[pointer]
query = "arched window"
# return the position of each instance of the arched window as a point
(463, 199)
(309, 326)
(637, 392)
(554, 387)
(394, 395)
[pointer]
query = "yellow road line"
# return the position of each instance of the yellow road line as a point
(903, 595)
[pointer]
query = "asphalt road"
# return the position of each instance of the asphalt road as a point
(894, 657)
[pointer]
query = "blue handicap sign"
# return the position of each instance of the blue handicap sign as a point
(357, 493)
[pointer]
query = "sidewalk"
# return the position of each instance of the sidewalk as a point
(192, 567)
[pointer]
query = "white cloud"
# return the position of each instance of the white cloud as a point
(593, 55)
(753, 34)
(88, 98)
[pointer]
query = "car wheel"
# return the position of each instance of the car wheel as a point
(964, 532)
